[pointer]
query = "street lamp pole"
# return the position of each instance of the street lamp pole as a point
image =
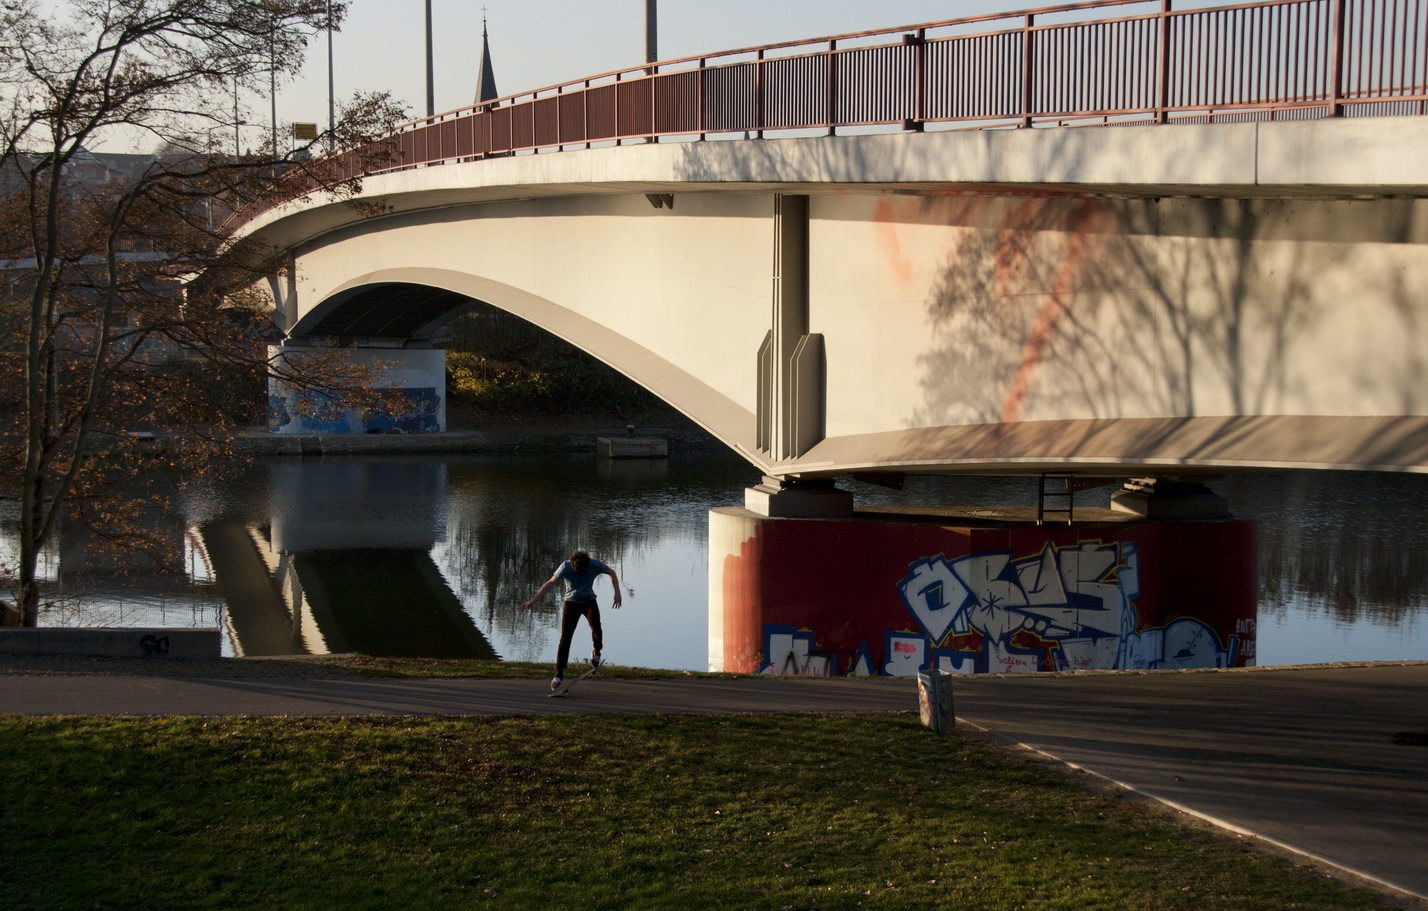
(430, 76)
(273, 83)
(331, 93)
(651, 31)
(237, 123)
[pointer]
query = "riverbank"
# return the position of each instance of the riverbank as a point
(503, 440)
(478, 432)
(508, 434)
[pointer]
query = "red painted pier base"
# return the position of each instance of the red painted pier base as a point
(977, 591)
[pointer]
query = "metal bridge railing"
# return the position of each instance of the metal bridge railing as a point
(1105, 62)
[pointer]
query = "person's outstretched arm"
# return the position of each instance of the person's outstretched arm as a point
(615, 580)
(547, 586)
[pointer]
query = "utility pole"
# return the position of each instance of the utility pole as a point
(273, 84)
(237, 123)
(331, 94)
(651, 50)
(430, 75)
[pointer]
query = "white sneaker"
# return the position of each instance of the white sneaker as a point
(555, 683)
(595, 661)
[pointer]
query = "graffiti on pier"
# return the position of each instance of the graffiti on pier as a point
(1063, 608)
(792, 651)
(1068, 607)
(395, 411)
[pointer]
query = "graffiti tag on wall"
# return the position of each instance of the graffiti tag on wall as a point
(1064, 608)
(1061, 608)
(309, 411)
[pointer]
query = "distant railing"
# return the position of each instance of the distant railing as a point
(1088, 63)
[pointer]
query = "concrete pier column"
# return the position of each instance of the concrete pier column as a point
(283, 287)
(798, 499)
(1164, 498)
(791, 360)
(893, 594)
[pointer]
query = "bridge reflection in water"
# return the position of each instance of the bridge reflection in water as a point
(1343, 556)
(311, 582)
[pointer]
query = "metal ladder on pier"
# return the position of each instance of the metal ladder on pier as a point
(1058, 488)
(1062, 489)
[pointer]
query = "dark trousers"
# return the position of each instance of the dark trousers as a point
(569, 617)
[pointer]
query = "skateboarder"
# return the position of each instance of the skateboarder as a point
(579, 573)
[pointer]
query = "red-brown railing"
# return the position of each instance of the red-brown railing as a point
(1106, 62)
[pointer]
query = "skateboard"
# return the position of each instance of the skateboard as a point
(565, 687)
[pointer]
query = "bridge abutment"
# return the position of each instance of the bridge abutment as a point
(388, 390)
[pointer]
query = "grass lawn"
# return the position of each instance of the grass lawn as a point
(587, 812)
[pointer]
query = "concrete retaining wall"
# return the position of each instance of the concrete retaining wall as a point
(118, 643)
(631, 448)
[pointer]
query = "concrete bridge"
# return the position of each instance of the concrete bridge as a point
(1156, 299)
(1164, 298)
(1227, 272)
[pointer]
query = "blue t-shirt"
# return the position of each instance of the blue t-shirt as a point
(581, 586)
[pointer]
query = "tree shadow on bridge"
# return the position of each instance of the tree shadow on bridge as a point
(1101, 310)
(1096, 311)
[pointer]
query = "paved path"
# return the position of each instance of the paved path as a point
(1305, 758)
(52, 695)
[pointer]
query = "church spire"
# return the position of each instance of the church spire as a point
(486, 83)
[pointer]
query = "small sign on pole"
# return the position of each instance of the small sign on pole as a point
(305, 131)
(934, 700)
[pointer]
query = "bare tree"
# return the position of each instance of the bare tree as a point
(103, 326)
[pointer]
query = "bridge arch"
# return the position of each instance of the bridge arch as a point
(383, 312)
(403, 305)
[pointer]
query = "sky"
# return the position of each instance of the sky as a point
(537, 43)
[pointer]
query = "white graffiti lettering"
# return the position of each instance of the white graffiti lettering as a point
(1072, 606)
(790, 652)
(935, 596)
(1060, 608)
(906, 653)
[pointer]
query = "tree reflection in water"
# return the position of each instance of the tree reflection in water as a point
(1350, 544)
(432, 556)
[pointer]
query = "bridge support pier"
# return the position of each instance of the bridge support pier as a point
(406, 387)
(1164, 498)
(792, 374)
(883, 592)
(776, 497)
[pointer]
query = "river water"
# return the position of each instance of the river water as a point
(431, 556)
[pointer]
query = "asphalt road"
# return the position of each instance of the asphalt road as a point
(1305, 758)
